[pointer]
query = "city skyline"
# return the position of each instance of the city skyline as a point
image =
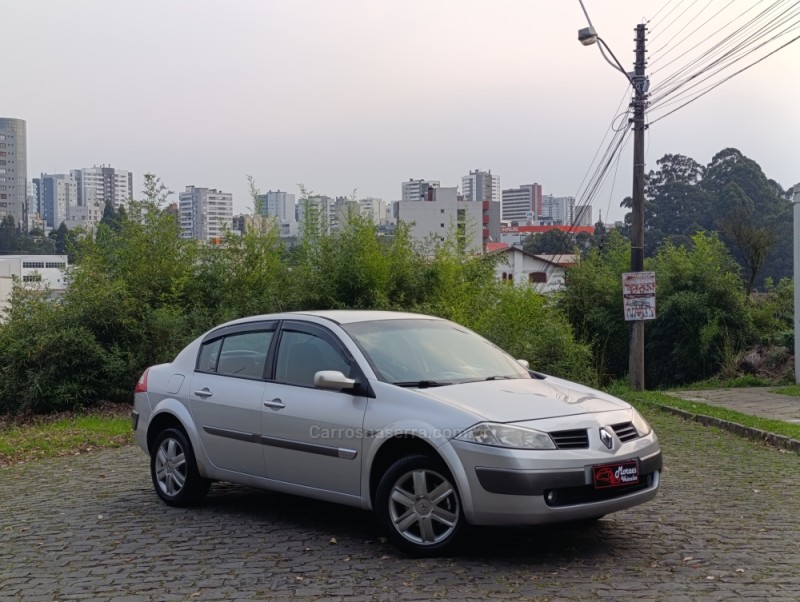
(364, 95)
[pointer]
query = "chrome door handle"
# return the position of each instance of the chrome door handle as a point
(203, 393)
(275, 404)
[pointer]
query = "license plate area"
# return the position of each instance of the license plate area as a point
(620, 474)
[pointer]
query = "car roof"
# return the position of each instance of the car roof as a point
(341, 316)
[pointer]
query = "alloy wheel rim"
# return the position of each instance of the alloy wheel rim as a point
(170, 467)
(424, 507)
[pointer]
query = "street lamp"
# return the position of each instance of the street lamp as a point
(640, 84)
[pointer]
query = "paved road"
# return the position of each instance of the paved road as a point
(726, 526)
(755, 401)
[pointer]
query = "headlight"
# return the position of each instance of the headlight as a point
(640, 424)
(503, 435)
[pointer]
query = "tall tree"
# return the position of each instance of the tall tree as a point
(751, 240)
(551, 242)
(8, 235)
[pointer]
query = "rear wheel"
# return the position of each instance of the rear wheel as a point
(418, 506)
(174, 470)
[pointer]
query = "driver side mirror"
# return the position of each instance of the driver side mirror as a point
(525, 364)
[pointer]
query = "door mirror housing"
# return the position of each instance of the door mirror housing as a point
(333, 380)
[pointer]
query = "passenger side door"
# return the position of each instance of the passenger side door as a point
(312, 437)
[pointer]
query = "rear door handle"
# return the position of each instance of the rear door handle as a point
(275, 404)
(203, 393)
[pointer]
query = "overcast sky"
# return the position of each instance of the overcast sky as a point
(344, 95)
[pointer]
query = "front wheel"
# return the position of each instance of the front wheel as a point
(174, 470)
(418, 506)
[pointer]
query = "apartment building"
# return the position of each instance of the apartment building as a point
(447, 213)
(417, 190)
(99, 186)
(56, 198)
(522, 205)
(205, 213)
(481, 186)
(14, 170)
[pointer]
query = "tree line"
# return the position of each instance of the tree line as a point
(731, 196)
(138, 293)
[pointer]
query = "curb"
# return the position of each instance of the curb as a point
(732, 427)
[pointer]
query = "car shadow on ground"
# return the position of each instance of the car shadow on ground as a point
(355, 531)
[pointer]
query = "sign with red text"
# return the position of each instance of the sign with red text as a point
(639, 295)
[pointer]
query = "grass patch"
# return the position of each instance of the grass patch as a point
(26, 439)
(778, 427)
(790, 390)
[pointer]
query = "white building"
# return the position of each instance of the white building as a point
(318, 209)
(522, 205)
(417, 190)
(279, 204)
(99, 186)
(544, 272)
(374, 210)
(282, 206)
(481, 186)
(205, 213)
(563, 211)
(34, 270)
(445, 214)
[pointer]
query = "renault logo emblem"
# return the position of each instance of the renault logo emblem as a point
(606, 438)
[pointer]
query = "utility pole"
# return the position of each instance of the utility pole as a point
(640, 86)
(796, 280)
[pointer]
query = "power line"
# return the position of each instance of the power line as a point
(727, 78)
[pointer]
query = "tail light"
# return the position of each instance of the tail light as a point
(141, 386)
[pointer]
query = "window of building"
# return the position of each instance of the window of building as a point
(32, 278)
(538, 277)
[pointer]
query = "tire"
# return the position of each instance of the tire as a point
(174, 470)
(414, 520)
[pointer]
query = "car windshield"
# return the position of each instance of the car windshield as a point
(430, 353)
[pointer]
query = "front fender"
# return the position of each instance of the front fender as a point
(433, 436)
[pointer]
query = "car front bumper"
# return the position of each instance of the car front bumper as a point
(517, 487)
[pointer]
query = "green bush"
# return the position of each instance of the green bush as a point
(139, 293)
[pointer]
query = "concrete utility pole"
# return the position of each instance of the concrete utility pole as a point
(640, 86)
(796, 281)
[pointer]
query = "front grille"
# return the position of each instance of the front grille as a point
(577, 439)
(625, 431)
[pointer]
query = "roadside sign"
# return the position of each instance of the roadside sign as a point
(639, 295)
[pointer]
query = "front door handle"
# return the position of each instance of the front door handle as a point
(275, 404)
(203, 393)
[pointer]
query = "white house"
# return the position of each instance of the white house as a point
(38, 270)
(545, 272)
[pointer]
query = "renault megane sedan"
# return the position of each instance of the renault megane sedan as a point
(417, 418)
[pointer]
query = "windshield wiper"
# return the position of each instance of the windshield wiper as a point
(500, 377)
(420, 384)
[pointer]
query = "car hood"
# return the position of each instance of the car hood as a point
(522, 399)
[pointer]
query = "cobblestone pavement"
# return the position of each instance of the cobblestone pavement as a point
(726, 526)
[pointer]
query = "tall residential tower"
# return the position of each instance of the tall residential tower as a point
(14, 171)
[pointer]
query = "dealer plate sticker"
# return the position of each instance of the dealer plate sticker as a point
(616, 475)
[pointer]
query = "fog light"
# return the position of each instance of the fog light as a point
(551, 497)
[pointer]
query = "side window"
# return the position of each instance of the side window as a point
(302, 354)
(209, 354)
(240, 354)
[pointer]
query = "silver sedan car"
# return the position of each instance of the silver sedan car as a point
(423, 421)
